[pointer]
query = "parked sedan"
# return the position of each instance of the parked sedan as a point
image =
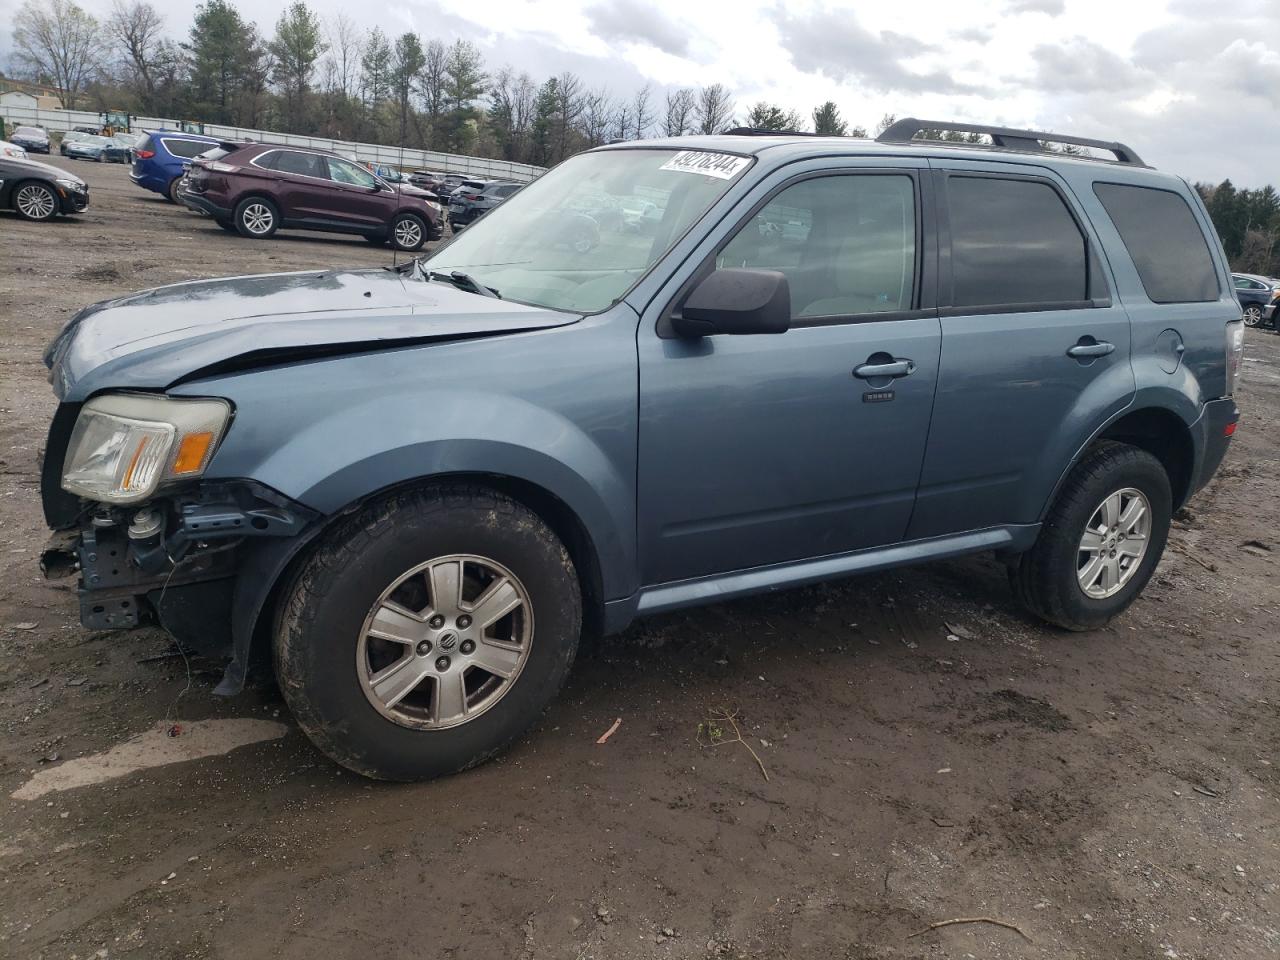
(467, 206)
(70, 137)
(119, 148)
(39, 191)
(31, 139)
(1258, 298)
(86, 148)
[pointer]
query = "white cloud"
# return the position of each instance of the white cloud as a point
(1172, 77)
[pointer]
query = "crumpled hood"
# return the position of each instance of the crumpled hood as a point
(153, 339)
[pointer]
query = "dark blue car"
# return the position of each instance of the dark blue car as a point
(162, 157)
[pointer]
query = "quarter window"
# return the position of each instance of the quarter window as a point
(186, 148)
(1164, 240)
(847, 244)
(1013, 242)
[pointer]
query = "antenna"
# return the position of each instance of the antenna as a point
(395, 251)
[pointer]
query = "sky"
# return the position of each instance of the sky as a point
(1192, 85)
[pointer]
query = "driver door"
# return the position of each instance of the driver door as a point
(763, 449)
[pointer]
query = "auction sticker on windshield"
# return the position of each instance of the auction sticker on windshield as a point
(723, 165)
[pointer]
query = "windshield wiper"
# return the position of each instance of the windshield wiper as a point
(464, 281)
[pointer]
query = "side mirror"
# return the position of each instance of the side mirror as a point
(736, 301)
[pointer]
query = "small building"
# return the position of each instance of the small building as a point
(17, 98)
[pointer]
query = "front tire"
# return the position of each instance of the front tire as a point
(406, 644)
(408, 232)
(35, 201)
(256, 218)
(1101, 541)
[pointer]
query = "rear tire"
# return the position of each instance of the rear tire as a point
(172, 191)
(256, 218)
(1077, 539)
(1253, 315)
(369, 701)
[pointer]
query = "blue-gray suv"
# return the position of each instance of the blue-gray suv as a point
(804, 358)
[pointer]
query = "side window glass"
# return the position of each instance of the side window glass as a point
(1013, 242)
(300, 164)
(186, 148)
(847, 244)
(344, 172)
(267, 161)
(1240, 283)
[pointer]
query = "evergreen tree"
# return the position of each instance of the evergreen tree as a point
(219, 50)
(298, 44)
(406, 60)
(828, 122)
(770, 116)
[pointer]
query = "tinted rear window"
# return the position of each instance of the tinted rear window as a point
(1163, 238)
(146, 143)
(186, 148)
(1013, 242)
(289, 161)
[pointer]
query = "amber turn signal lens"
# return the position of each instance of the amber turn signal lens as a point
(192, 452)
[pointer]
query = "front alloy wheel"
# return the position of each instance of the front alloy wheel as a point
(445, 642)
(408, 232)
(427, 631)
(35, 201)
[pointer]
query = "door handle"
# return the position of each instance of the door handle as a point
(1083, 351)
(892, 370)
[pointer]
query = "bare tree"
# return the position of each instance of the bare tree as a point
(622, 126)
(641, 114)
(60, 43)
(346, 45)
(431, 85)
(597, 116)
(681, 107)
(715, 109)
(569, 106)
(136, 30)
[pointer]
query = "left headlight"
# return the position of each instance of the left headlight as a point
(124, 446)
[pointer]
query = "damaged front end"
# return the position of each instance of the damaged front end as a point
(195, 557)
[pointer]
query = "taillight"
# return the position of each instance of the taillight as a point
(146, 154)
(1235, 353)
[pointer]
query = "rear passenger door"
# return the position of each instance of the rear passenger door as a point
(1035, 350)
(302, 189)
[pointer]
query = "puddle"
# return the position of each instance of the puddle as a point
(154, 748)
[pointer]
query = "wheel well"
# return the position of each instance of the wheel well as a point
(558, 515)
(1163, 435)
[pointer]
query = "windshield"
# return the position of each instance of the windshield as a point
(581, 235)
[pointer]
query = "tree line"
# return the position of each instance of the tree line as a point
(331, 78)
(1248, 222)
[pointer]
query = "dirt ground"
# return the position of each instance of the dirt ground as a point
(1112, 794)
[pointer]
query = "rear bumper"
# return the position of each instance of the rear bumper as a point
(201, 203)
(1216, 426)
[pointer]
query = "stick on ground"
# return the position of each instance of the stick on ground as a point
(999, 923)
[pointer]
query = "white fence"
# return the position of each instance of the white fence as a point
(372, 152)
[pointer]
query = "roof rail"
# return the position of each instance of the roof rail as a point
(905, 130)
(763, 132)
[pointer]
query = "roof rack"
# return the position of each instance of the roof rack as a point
(763, 132)
(905, 131)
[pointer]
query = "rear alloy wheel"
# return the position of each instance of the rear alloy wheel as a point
(35, 201)
(257, 217)
(1101, 540)
(408, 232)
(172, 192)
(1253, 315)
